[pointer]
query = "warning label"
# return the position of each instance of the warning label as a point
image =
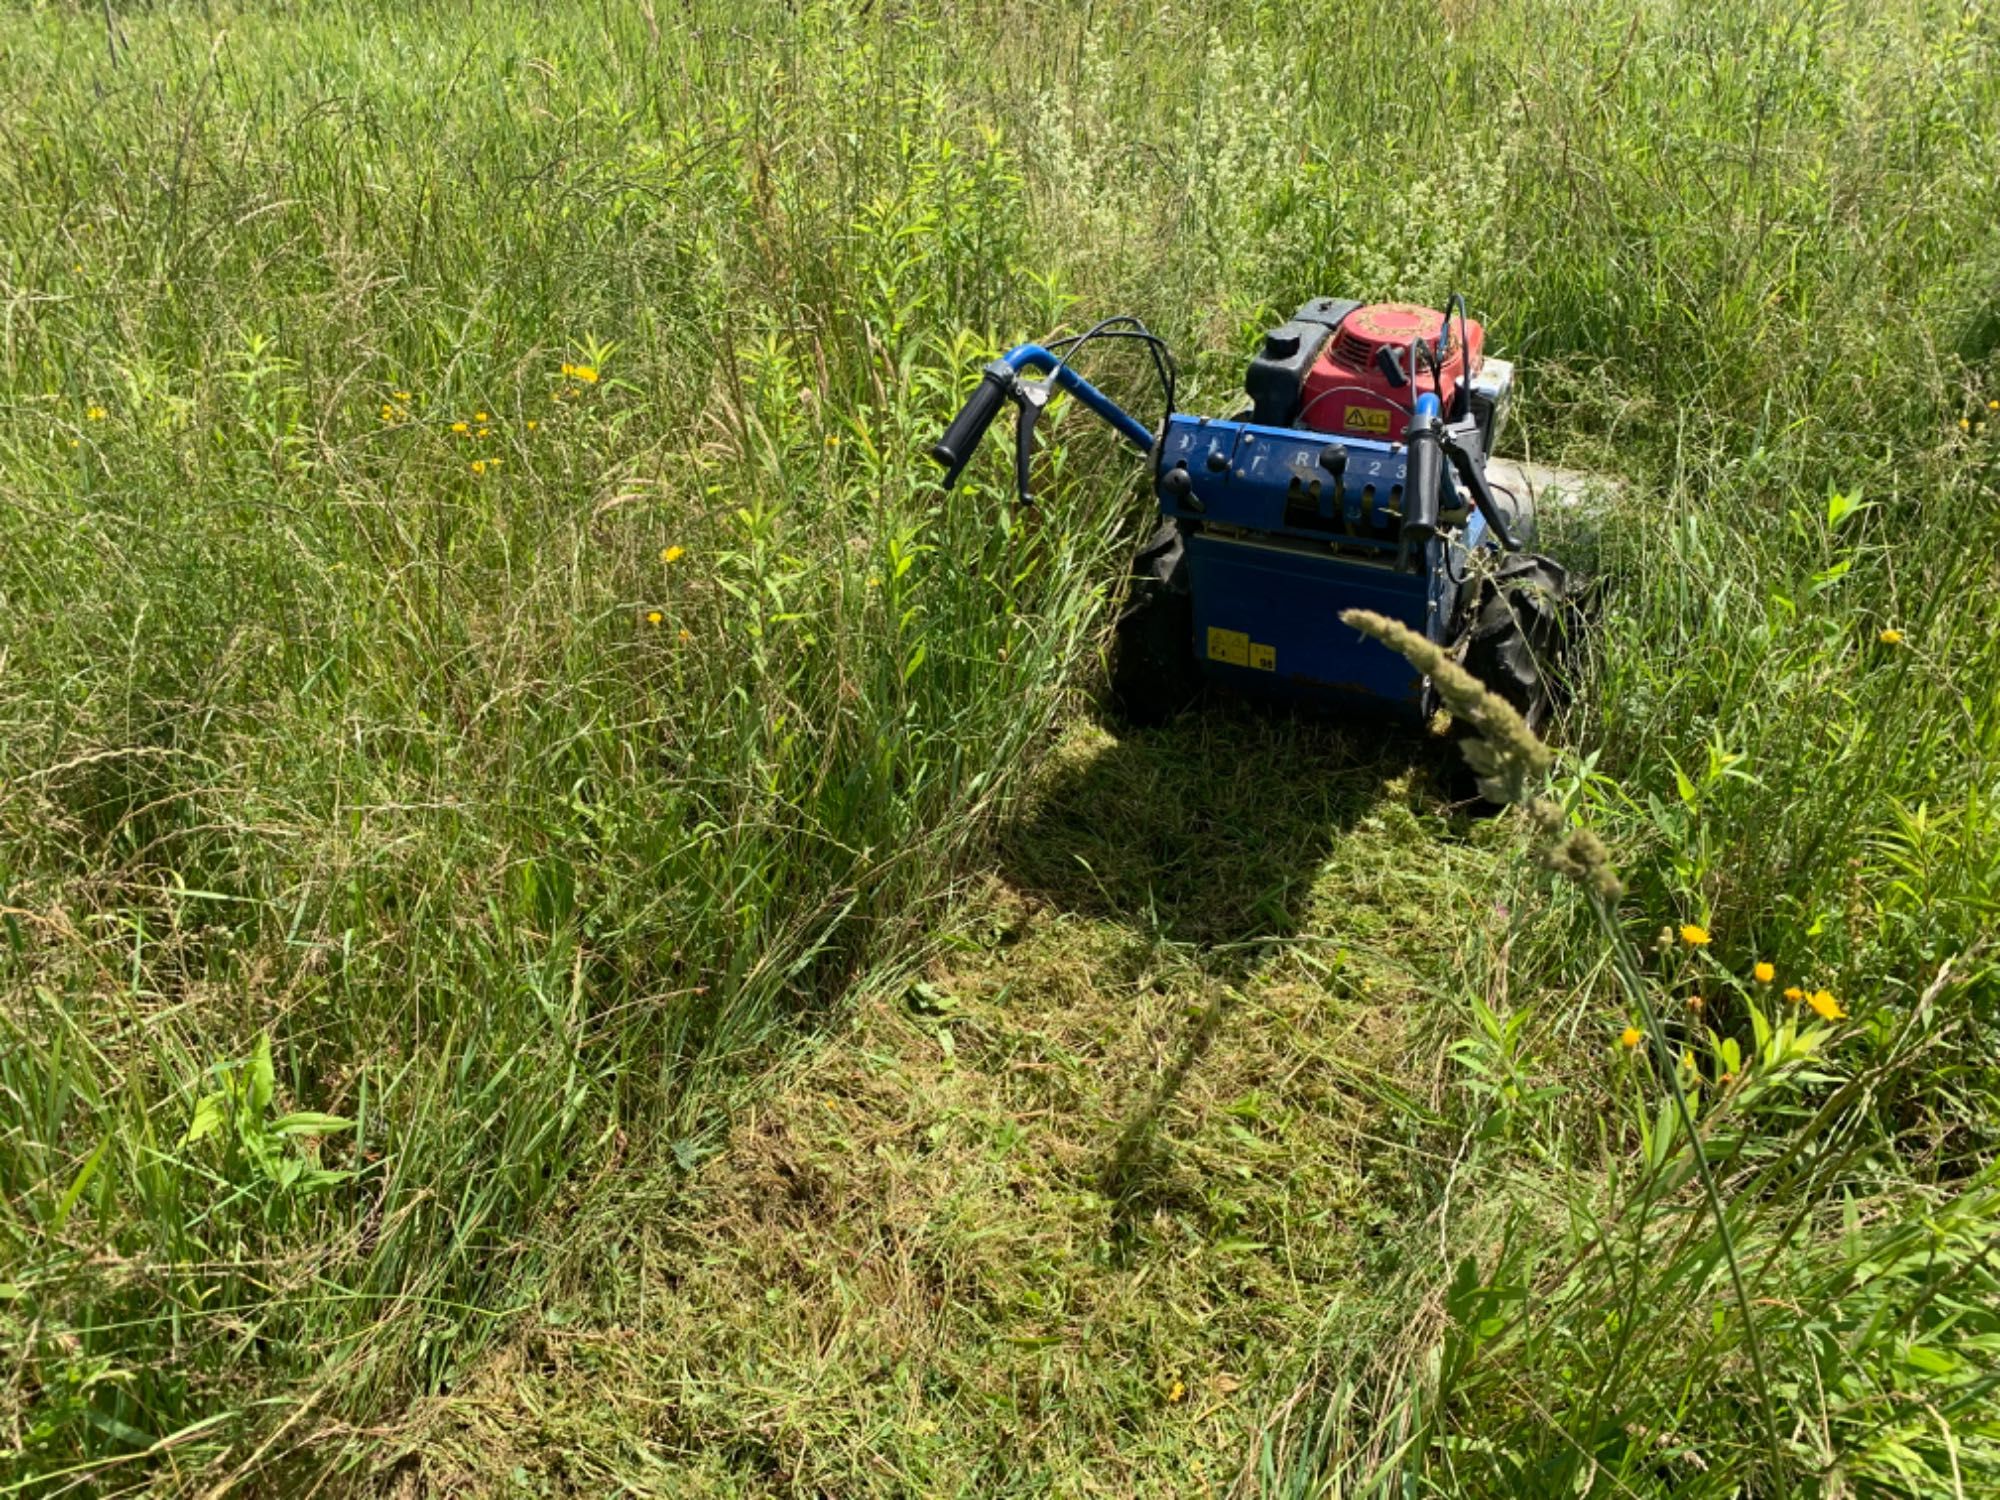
(1366, 419)
(1237, 649)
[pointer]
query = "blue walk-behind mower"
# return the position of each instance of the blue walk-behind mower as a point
(1355, 478)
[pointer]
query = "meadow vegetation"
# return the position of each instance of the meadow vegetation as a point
(567, 922)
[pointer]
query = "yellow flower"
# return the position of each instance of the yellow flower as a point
(653, 617)
(1993, 406)
(1794, 994)
(833, 440)
(569, 369)
(685, 637)
(95, 414)
(1176, 1391)
(531, 426)
(485, 431)
(672, 554)
(874, 583)
(479, 466)
(480, 416)
(1694, 936)
(1629, 1038)
(388, 412)
(1763, 973)
(460, 428)
(1827, 1007)
(492, 463)
(1891, 637)
(402, 395)
(1965, 424)
(586, 373)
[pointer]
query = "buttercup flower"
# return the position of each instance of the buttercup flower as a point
(1694, 935)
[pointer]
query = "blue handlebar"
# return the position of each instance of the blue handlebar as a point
(1035, 357)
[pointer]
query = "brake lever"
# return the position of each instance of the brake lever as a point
(1031, 397)
(1468, 457)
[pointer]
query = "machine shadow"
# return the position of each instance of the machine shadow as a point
(1209, 831)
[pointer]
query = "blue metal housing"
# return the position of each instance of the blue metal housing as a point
(1277, 547)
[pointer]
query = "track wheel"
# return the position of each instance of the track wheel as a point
(1521, 621)
(1153, 672)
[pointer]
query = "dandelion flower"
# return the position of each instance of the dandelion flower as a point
(402, 395)
(833, 440)
(653, 617)
(1993, 406)
(1763, 972)
(479, 466)
(532, 426)
(672, 554)
(480, 416)
(461, 428)
(486, 432)
(1694, 935)
(1965, 424)
(1794, 994)
(586, 373)
(1629, 1038)
(1827, 1008)
(95, 414)
(1891, 637)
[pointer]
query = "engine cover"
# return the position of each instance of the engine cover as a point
(1365, 380)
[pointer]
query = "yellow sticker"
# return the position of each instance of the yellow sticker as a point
(1232, 646)
(1365, 419)
(1264, 658)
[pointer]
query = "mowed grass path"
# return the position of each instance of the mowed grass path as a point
(1061, 1214)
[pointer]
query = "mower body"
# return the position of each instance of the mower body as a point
(1354, 479)
(1277, 547)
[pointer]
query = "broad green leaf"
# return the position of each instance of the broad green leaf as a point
(209, 1113)
(263, 1078)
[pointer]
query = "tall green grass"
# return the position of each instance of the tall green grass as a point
(381, 876)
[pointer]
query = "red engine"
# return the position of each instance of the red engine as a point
(1365, 381)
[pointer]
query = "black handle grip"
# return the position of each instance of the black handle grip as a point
(952, 450)
(1423, 480)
